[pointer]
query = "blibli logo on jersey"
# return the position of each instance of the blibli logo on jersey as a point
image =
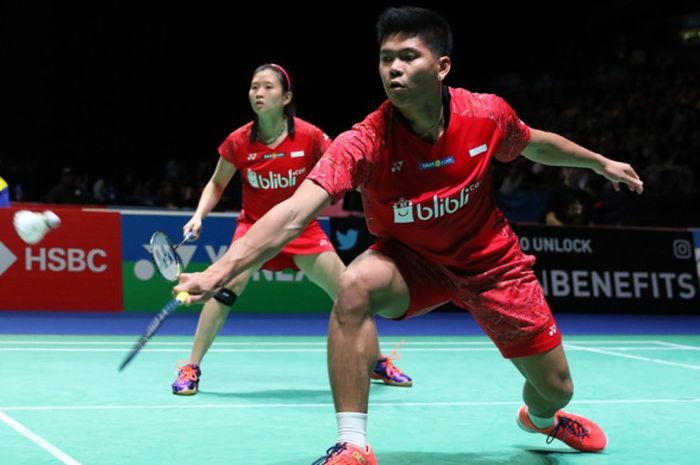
(272, 180)
(403, 211)
(439, 207)
(272, 156)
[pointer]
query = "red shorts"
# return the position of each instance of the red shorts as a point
(313, 240)
(506, 301)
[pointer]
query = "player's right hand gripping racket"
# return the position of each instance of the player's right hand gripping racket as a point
(169, 266)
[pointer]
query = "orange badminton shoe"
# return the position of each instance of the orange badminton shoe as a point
(347, 454)
(575, 431)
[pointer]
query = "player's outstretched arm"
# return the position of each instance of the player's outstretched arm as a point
(263, 241)
(548, 148)
(211, 194)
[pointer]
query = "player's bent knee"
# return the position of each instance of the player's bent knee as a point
(350, 310)
(560, 392)
(350, 280)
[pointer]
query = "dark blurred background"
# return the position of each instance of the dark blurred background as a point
(125, 104)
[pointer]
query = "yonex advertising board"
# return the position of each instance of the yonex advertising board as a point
(614, 269)
(76, 267)
(146, 290)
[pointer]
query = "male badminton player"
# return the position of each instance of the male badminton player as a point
(422, 160)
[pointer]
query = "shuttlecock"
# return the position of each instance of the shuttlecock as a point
(32, 227)
(52, 219)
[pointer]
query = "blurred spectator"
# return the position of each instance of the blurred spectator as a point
(103, 191)
(68, 190)
(665, 176)
(568, 204)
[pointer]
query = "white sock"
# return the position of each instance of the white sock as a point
(541, 422)
(352, 428)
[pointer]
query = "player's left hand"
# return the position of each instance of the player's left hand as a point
(619, 172)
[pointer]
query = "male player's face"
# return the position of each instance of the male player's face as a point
(408, 68)
(266, 92)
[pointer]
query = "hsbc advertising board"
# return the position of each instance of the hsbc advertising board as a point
(76, 267)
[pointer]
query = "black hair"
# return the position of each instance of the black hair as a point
(289, 109)
(431, 27)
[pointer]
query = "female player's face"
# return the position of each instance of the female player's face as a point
(408, 68)
(266, 92)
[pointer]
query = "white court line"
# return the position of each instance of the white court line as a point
(38, 440)
(638, 357)
(673, 344)
(330, 405)
(303, 343)
(97, 349)
(568, 347)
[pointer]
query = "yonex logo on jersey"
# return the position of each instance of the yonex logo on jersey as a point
(272, 180)
(252, 156)
(478, 150)
(439, 207)
(396, 166)
(553, 330)
(272, 156)
(428, 165)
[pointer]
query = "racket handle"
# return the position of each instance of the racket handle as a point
(188, 238)
(182, 296)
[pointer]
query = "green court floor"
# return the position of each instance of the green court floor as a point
(266, 401)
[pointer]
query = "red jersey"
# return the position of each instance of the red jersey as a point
(269, 175)
(437, 198)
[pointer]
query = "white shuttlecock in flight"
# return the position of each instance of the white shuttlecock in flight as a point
(32, 226)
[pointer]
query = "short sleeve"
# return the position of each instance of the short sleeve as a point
(321, 144)
(516, 134)
(347, 163)
(227, 150)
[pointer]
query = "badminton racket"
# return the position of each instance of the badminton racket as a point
(169, 265)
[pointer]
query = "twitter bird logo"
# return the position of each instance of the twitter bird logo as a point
(346, 241)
